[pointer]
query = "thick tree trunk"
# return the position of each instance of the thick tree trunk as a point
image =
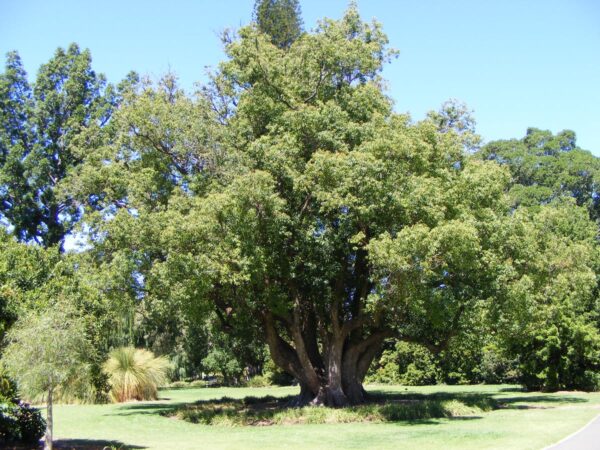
(334, 379)
(346, 371)
(351, 381)
(304, 398)
(331, 392)
(48, 436)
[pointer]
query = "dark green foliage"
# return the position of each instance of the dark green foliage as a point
(496, 368)
(546, 166)
(9, 425)
(566, 356)
(406, 364)
(463, 362)
(474, 356)
(476, 364)
(280, 19)
(259, 381)
(24, 270)
(275, 375)
(234, 351)
(99, 392)
(39, 130)
(187, 353)
(200, 343)
(546, 309)
(19, 422)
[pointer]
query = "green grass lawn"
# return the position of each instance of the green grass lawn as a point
(525, 421)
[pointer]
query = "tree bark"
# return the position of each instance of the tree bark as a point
(333, 377)
(331, 391)
(304, 398)
(48, 436)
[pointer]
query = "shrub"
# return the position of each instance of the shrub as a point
(466, 361)
(564, 356)
(135, 374)
(9, 425)
(385, 371)
(31, 423)
(416, 375)
(8, 388)
(277, 376)
(187, 384)
(178, 385)
(496, 368)
(19, 422)
(259, 381)
(407, 364)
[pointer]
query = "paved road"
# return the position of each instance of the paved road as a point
(588, 438)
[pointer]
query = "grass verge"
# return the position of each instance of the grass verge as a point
(522, 421)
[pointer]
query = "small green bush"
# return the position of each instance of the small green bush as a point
(407, 364)
(496, 368)
(10, 431)
(31, 422)
(259, 381)
(8, 388)
(277, 376)
(186, 384)
(19, 422)
(178, 385)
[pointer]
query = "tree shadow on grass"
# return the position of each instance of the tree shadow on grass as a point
(131, 409)
(539, 401)
(92, 444)
(383, 406)
(512, 389)
(529, 400)
(73, 444)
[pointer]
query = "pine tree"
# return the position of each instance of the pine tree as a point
(280, 19)
(37, 127)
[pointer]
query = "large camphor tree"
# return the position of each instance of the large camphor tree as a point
(291, 197)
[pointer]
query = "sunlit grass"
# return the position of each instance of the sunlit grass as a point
(518, 420)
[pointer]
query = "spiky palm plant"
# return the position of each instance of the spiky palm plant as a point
(135, 374)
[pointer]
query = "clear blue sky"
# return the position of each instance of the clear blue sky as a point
(516, 63)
